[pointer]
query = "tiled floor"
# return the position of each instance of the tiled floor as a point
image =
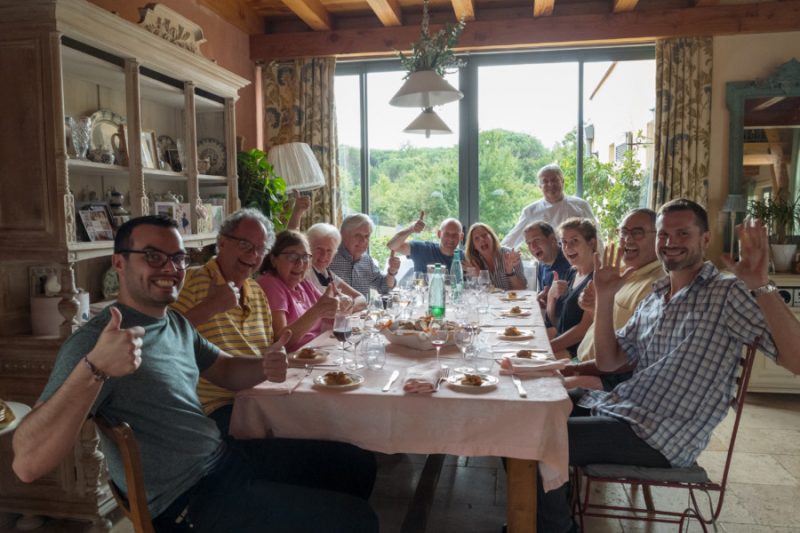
(763, 490)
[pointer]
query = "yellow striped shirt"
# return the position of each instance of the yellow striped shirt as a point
(244, 330)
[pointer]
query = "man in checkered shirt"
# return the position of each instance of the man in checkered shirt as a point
(686, 339)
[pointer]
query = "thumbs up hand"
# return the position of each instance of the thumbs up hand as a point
(558, 288)
(419, 225)
(327, 304)
(394, 264)
(117, 351)
(275, 363)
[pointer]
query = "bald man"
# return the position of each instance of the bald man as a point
(425, 253)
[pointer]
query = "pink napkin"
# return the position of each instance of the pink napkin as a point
(422, 377)
(521, 366)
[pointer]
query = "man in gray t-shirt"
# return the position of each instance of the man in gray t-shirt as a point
(140, 363)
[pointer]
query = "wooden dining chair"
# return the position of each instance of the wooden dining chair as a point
(135, 505)
(693, 478)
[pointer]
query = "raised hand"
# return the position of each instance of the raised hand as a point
(222, 297)
(328, 303)
(608, 276)
(753, 265)
(511, 260)
(419, 225)
(394, 264)
(302, 203)
(587, 297)
(558, 288)
(118, 352)
(274, 359)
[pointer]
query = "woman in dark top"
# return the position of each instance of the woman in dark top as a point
(578, 243)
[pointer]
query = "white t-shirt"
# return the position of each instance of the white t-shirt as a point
(554, 214)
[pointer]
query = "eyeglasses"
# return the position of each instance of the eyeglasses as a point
(636, 234)
(296, 258)
(246, 246)
(157, 259)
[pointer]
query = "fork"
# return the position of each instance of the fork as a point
(444, 373)
(309, 370)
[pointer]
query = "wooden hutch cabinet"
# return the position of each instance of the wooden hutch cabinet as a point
(148, 85)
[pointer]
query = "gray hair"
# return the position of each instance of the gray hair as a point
(448, 221)
(233, 220)
(320, 231)
(550, 168)
(642, 211)
(355, 220)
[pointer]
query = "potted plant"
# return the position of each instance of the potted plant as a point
(261, 188)
(779, 214)
(433, 52)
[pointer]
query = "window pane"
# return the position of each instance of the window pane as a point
(348, 126)
(527, 115)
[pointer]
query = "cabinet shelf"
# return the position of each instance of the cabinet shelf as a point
(90, 168)
(163, 175)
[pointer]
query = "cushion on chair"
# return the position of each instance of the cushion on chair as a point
(689, 474)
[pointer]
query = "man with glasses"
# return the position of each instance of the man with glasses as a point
(543, 245)
(424, 253)
(226, 305)
(554, 208)
(138, 362)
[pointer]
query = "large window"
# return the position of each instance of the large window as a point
(590, 111)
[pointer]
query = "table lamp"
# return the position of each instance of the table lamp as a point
(297, 165)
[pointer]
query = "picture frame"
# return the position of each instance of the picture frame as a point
(95, 219)
(149, 149)
(180, 213)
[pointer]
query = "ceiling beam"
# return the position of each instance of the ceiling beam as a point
(387, 11)
(699, 3)
(238, 13)
(464, 9)
(543, 8)
(312, 12)
(621, 6)
(631, 27)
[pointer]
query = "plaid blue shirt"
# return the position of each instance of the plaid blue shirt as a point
(361, 275)
(687, 351)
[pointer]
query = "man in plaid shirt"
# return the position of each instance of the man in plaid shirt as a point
(686, 339)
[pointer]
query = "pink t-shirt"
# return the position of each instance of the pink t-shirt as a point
(294, 302)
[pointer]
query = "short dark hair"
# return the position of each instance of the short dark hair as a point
(543, 226)
(123, 239)
(684, 204)
(642, 211)
(283, 240)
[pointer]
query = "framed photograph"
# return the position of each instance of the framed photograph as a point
(149, 149)
(178, 212)
(96, 222)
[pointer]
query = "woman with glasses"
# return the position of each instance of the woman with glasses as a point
(294, 301)
(324, 240)
(567, 322)
(483, 252)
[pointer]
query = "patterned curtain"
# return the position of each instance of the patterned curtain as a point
(683, 120)
(299, 107)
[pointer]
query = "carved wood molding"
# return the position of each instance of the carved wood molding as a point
(173, 27)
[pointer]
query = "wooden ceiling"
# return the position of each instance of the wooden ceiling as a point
(362, 28)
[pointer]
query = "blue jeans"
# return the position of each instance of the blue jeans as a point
(592, 440)
(280, 485)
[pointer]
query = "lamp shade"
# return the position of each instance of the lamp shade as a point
(428, 122)
(425, 88)
(297, 165)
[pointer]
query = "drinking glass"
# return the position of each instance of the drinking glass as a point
(402, 299)
(483, 306)
(437, 333)
(420, 280)
(374, 352)
(356, 335)
(484, 280)
(342, 331)
(464, 337)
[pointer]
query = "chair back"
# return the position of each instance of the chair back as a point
(135, 505)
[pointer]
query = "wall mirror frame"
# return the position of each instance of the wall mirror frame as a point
(783, 83)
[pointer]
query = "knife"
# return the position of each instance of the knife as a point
(392, 378)
(520, 389)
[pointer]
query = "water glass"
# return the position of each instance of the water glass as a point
(484, 280)
(357, 334)
(464, 337)
(484, 360)
(374, 352)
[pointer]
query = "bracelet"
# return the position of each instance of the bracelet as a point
(96, 372)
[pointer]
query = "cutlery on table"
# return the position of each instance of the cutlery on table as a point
(520, 389)
(443, 375)
(392, 379)
(309, 369)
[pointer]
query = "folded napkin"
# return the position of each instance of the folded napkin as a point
(268, 388)
(422, 377)
(521, 366)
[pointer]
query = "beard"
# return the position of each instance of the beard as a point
(674, 264)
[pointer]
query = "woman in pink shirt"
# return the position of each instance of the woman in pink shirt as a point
(293, 300)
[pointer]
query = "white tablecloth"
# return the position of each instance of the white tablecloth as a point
(495, 423)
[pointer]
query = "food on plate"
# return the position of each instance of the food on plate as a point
(512, 331)
(338, 378)
(511, 295)
(473, 380)
(516, 310)
(6, 415)
(407, 324)
(526, 354)
(307, 353)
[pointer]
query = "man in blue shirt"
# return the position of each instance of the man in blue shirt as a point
(425, 253)
(542, 244)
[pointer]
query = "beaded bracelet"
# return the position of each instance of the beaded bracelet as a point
(96, 372)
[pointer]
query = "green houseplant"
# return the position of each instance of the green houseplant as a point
(433, 52)
(779, 214)
(261, 188)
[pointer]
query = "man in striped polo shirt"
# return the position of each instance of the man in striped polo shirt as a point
(226, 305)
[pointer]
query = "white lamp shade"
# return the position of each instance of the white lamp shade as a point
(429, 123)
(297, 165)
(425, 88)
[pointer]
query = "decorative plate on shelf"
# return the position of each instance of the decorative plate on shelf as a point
(110, 284)
(215, 152)
(105, 123)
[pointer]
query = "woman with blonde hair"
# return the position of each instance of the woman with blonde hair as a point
(483, 252)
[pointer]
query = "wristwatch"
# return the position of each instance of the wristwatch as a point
(764, 289)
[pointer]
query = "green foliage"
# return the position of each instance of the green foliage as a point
(779, 214)
(434, 52)
(260, 188)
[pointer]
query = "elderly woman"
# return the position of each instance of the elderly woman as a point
(294, 301)
(483, 252)
(324, 240)
(578, 243)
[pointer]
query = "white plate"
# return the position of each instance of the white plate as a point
(215, 152)
(526, 335)
(19, 410)
(319, 357)
(489, 383)
(358, 379)
(512, 315)
(517, 299)
(538, 355)
(105, 123)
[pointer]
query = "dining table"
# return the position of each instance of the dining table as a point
(529, 430)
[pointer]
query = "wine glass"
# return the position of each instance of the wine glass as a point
(464, 336)
(484, 280)
(356, 335)
(342, 331)
(437, 333)
(483, 306)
